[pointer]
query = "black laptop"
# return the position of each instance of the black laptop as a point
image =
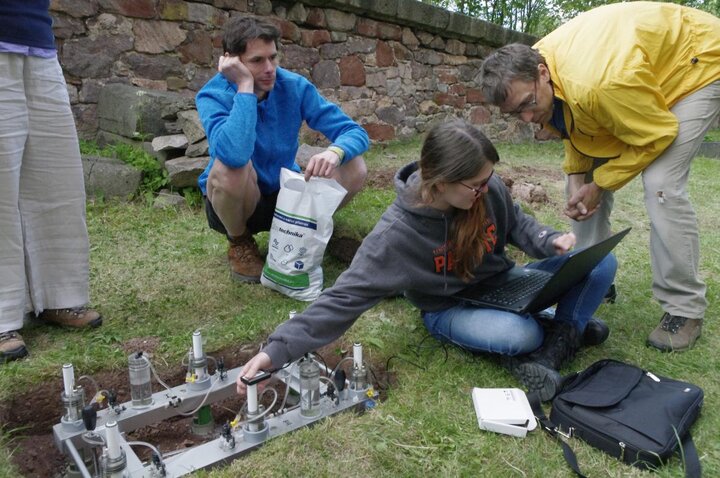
(523, 290)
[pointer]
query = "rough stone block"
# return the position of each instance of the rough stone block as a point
(198, 49)
(352, 71)
(384, 9)
(190, 123)
(380, 132)
(157, 36)
(423, 15)
(184, 171)
(173, 141)
(65, 26)
(340, 21)
(201, 148)
(153, 67)
(296, 57)
(133, 112)
(206, 14)
(316, 18)
(325, 74)
(384, 54)
(75, 8)
(166, 199)
(479, 115)
(409, 39)
(92, 57)
(305, 152)
(109, 177)
(297, 13)
(130, 8)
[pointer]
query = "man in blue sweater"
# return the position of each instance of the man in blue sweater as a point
(252, 112)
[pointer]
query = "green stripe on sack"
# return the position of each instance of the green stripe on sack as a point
(296, 281)
(297, 216)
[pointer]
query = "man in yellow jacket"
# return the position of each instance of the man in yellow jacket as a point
(631, 88)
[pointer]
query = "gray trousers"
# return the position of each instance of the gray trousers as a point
(674, 243)
(43, 235)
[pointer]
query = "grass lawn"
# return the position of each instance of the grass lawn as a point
(163, 273)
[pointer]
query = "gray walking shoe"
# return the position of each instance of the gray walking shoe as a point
(12, 346)
(675, 333)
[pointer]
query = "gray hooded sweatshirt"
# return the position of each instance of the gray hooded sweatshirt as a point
(408, 251)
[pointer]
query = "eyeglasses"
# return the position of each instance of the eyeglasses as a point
(526, 105)
(478, 190)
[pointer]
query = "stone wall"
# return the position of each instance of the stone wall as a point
(392, 65)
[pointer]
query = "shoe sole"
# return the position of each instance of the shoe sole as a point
(244, 279)
(669, 348)
(92, 324)
(539, 378)
(13, 354)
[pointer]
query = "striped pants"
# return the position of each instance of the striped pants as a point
(43, 234)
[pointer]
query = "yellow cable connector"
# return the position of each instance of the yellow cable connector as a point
(99, 397)
(370, 392)
(190, 378)
(235, 422)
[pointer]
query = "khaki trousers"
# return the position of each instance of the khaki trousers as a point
(674, 243)
(43, 235)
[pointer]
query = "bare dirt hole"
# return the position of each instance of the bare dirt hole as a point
(33, 413)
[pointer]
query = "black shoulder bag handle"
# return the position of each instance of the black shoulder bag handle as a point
(692, 462)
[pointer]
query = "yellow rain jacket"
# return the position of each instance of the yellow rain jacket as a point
(618, 69)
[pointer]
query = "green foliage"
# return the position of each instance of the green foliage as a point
(154, 176)
(193, 197)
(538, 17)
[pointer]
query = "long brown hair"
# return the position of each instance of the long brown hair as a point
(456, 151)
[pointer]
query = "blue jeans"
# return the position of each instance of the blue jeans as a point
(489, 330)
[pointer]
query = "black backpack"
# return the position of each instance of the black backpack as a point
(630, 413)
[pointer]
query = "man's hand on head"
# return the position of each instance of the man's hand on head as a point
(322, 165)
(236, 72)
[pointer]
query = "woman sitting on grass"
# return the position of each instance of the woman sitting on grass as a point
(448, 228)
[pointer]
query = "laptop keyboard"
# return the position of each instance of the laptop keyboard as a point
(516, 289)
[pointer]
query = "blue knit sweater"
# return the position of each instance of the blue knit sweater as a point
(240, 129)
(26, 22)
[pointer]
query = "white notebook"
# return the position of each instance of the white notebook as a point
(503, 410)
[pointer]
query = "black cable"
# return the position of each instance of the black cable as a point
(323, 362)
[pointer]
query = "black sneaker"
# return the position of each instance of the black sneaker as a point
(535, 376)
(596, 332)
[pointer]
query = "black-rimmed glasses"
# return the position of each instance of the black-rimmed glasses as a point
(483, 185)
(526, 105)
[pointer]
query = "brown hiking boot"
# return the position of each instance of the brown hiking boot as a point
(246, 263)
(12, 346)
(73, 317)
(675, 334)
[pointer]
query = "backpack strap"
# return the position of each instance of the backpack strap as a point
(690, 458)
(555, 432)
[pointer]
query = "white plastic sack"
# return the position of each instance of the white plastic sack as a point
(301, 228)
